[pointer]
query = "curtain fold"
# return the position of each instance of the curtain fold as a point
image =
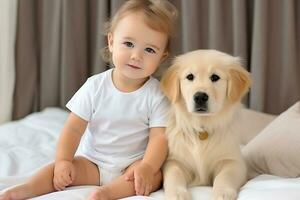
(59, 44)
(275, 62)
(58, 47)
(8, 13)
(259, 59)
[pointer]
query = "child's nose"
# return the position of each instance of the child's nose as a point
(136, 55)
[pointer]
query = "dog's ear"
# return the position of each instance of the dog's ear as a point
(170, 83)
(238, 84)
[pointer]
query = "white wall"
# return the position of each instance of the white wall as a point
(8, 16)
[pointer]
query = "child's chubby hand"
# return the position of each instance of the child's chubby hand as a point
(143, 176)
(64, 174)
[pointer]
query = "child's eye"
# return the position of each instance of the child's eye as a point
(150, 50)
(128, 44)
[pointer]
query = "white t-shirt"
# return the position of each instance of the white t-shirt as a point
(118, 129)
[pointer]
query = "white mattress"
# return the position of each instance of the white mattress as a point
(28, 144)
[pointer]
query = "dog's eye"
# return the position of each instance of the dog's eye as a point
(190, 77)
(214, 78)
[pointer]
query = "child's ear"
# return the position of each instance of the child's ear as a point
(164, 56)
(110, 41)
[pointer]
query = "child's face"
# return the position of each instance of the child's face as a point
(137, 50)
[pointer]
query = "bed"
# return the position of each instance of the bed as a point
(28, 144)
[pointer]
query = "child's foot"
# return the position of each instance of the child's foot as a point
(6, 196)
(17, 193)
(100, 193)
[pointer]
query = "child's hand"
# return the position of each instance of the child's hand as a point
(64, 174)
(143, 176)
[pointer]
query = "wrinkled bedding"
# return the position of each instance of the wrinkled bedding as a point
(28, 144)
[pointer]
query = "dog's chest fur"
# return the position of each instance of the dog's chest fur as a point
(200, 157)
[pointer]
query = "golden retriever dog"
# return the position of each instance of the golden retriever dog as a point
(205, 88)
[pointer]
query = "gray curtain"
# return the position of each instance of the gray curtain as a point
(59, 43)
(58, 47)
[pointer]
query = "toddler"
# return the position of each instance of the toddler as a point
(114, 135)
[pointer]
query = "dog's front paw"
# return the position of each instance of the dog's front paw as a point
(224, 194)
(178, 194)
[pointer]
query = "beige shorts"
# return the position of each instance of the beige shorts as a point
(107, 176)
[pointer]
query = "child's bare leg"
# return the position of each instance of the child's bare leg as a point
(42, 182)
(121, 188)
(44, 177)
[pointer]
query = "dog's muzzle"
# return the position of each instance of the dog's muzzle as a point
(200, 100)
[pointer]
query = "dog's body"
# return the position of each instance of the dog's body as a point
(205, 88)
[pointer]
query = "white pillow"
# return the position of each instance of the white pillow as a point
(276, 150)
(251, 123)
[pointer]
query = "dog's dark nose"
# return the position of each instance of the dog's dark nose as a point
(200, 98)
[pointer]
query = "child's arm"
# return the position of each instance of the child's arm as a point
(71, 134)
(155, 155)
(64, 172)
(157, 149)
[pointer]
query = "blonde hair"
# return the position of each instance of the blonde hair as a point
(160, 15)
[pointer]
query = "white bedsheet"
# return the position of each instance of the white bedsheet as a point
(28, 144)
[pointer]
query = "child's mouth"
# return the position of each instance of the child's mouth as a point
(134, 66)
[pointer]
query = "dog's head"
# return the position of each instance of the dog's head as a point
(205, 81)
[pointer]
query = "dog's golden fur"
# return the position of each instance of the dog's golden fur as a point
(216, 160)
